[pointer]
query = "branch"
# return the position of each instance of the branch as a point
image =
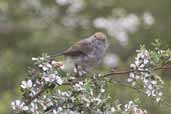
(30, 99)
(121, 72)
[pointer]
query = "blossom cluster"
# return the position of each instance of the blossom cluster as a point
(82, 98)
(143, 72)
(130, 108)
(50, 90)
(45, 75)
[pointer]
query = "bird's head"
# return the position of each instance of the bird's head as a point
(100, 36)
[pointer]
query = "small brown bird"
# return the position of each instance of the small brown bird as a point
(88, 52)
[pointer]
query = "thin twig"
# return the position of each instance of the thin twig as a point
(129, 71)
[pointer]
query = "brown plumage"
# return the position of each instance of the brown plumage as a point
(80, 47)
(87, 52)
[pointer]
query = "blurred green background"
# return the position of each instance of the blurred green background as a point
(29, 28)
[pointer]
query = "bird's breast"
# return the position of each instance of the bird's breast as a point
(92, 57)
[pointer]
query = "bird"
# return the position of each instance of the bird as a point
(88, 52)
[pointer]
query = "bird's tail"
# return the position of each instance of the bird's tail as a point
(55, 55)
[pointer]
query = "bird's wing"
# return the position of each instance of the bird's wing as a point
(79, 48)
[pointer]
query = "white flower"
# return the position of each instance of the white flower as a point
(50, 78)
(158, 99)
(45, 68)
(154, 82)
(133, 83)
(153, 93)
(150, 86)
(34, 59)
(102, 90)
(34, 108)
(49, 65)
(137, 77)
(130, 79)
(60, 109)
(137, 63)
(146, 61)
(79, 86)
(53, 78)
(40, 65)
(160, 93)
(148, 92)
(132, 66)
(131, 103)
(65, 94)
(26, 84)
(19, 106)
(81, 73)
(113, 109)
(42, 58)
(131, 75)
(55, 112)
(59, 80)
(25, 108)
